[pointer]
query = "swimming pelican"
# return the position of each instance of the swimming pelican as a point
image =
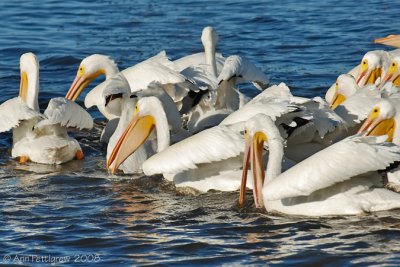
(37, 137)
(155, 123)
(339, 180)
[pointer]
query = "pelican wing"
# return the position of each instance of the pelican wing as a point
(357, 107)
(236, 66)
(152, 70)
(67, 113)
(116, 85)
(198, 59)
(339, 162)
(201, 78)
(211, 145)
(324, 119)
(13, 111)
(274, 102)
(331, 91)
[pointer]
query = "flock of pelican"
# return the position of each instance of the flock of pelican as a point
(186, 119)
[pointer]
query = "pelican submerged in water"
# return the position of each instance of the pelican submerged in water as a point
(37, 137)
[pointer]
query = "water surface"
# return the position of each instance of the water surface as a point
(78, 211)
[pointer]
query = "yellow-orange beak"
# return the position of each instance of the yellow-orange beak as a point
(246, 160)
(80, 83)
(391, 40)
(337, 100)
(23, 87)
(376, 127)
(360, 76)
(391, 77)
(254, 154)
(370, 77)
(132, 138)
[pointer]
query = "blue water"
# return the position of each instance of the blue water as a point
(77, 212)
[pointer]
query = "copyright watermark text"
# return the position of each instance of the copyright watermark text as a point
(32, 258)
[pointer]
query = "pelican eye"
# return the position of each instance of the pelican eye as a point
(364, 62)
(393, 64)
(81, 70)
(375, 110)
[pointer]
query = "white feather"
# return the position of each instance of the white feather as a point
(155, 69)
(67, 113)
(198, 59)
(210, 145)
(236, 66)
(348, 158)
(13, 111)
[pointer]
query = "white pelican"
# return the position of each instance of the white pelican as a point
(339, 180)
(212, 159)
(373, 66)
(393, 75)
(158, 68)
(37, 137)
(149, 122)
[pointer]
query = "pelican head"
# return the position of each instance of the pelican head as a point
(258, 130)
(392, 40)
(149, 115)
(393, 74)
(209, 38)
(29, 86)
(370, 68)
(90, 68)
(345, 87)
(380, 121)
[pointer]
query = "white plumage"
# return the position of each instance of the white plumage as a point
(337, 180)
(215, 144)
(339, 162)
(243, 70)
(41, 138)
